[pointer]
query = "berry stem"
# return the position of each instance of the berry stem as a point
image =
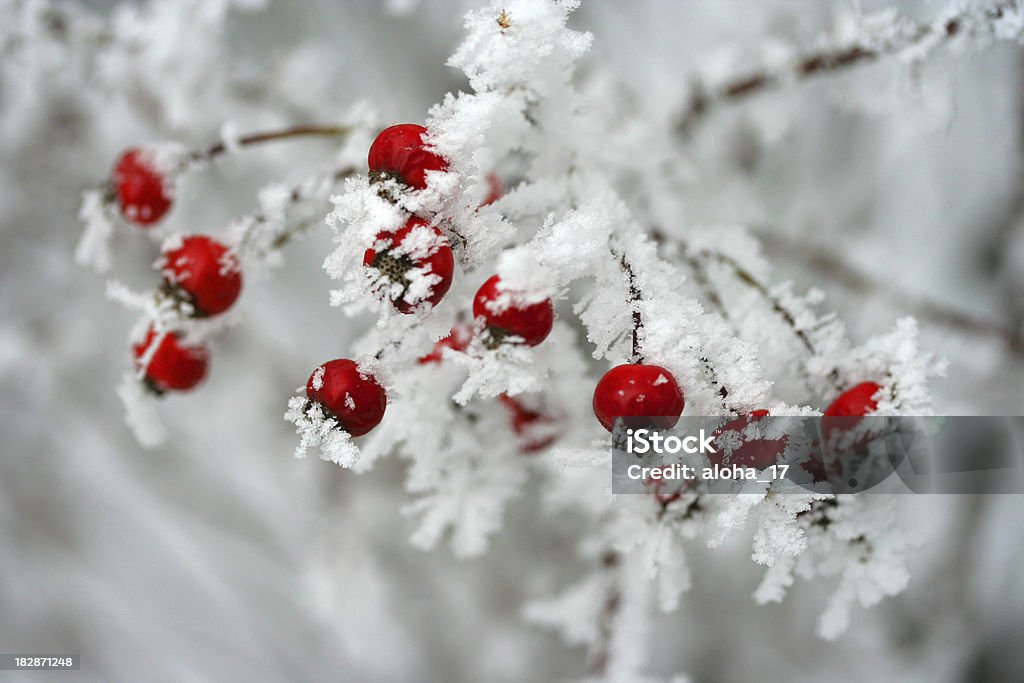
(305, 131)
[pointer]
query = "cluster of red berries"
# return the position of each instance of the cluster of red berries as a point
(398, 153)
(356, 400)
(205, 274)
(200, 272)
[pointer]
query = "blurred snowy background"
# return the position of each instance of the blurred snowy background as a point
(894, 190)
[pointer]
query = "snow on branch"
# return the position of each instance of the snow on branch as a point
(857, 40)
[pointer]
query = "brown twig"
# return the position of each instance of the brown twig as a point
(815, 64)
(828, 265)
(221, 147)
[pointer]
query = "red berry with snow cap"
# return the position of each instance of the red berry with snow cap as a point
(415, 264)
(457, 340)
(142, 190)
(398, 152)
(206, 271)
(636, 390)
(353, 398)
(505, 317)
(172, 366)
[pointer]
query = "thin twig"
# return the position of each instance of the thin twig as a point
(827, 61)
(221, 147)
(601, 654)
(747, 278)
(830, 266)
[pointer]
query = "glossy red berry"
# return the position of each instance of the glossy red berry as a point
(142, 191)
(206, 271)
(405, 257)
(399, 152)
(457, 340)
(173, 366)
(533, 427)
(353, 398)
(531, 323)
(635, 390)
(855, 401)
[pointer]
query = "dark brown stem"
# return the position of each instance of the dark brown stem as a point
(634, 300)
(221, 147)
(713, 378)
(819, 63)
(601, 654)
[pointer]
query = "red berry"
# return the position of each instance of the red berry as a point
(173, 366)
(528, 424)
(457, 340)
(399, 152)
(142, 190)
(354, 399)
(843, 416)
(638, 391)
(757, 453)
(416, 246)
(206, 270)
(505, 318)
(855, 401)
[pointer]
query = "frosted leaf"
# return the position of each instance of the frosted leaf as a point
(519, 42)
(665, 560)
(316, 429)
(93, 250)
(524, 280)
(734, 516)
(468, 502)
(507, 369)
(575, 613)
(140, 411)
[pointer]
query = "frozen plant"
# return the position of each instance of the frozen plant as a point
(530, 231)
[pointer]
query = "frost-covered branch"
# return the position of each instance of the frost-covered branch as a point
(864, 41)
(825, 264)
(232, 142)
